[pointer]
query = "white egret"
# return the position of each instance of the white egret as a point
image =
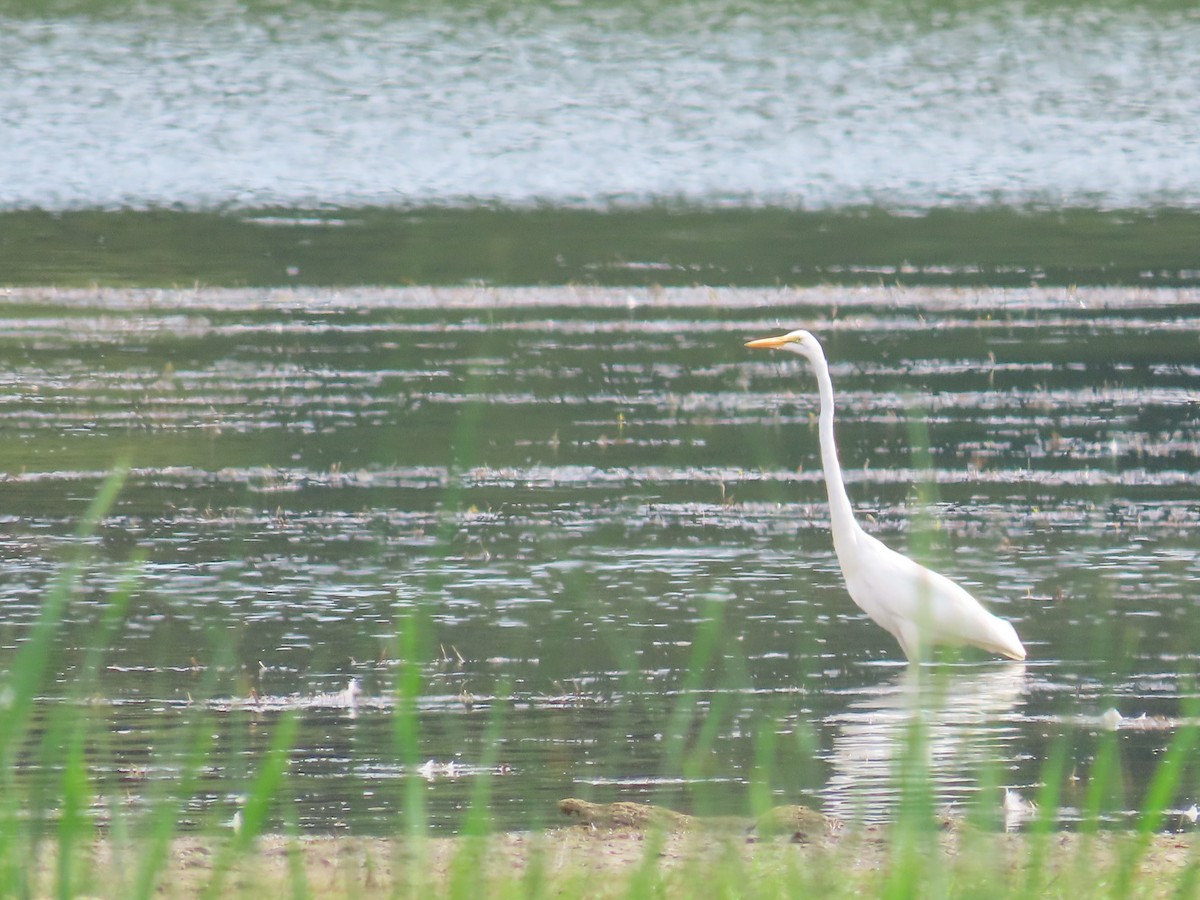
(918, 606)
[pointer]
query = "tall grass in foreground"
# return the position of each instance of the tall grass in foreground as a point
(52, 843)
(60, 744)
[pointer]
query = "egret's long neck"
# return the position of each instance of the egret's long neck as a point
(845, 529)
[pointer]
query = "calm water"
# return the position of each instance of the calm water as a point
(559, 492)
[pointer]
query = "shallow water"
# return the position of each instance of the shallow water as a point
(602, 523)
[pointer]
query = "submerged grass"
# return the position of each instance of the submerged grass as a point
(52, 840)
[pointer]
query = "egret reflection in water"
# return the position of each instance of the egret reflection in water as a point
(957, 723)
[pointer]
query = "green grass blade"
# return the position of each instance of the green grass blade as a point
(263, 792)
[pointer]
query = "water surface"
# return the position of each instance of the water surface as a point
(806, 106)
(604, 522)
(705, 142)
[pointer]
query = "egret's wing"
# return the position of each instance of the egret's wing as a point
(909, 600)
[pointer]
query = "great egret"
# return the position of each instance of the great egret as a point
(919, 607)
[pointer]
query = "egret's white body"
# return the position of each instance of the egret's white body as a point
(918, 606)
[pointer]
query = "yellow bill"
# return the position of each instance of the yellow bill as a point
(771, 343)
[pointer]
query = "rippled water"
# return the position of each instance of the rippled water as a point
(559, 491)
(812, 105)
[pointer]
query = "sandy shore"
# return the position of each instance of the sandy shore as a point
(584, 861)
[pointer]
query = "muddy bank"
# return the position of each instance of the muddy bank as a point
(583, 860)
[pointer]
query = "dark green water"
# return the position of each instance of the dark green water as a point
(569, 493)
(649, 246)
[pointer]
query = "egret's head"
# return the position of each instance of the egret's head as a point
(801, 342)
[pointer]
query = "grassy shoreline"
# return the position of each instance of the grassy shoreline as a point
(578, 861)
